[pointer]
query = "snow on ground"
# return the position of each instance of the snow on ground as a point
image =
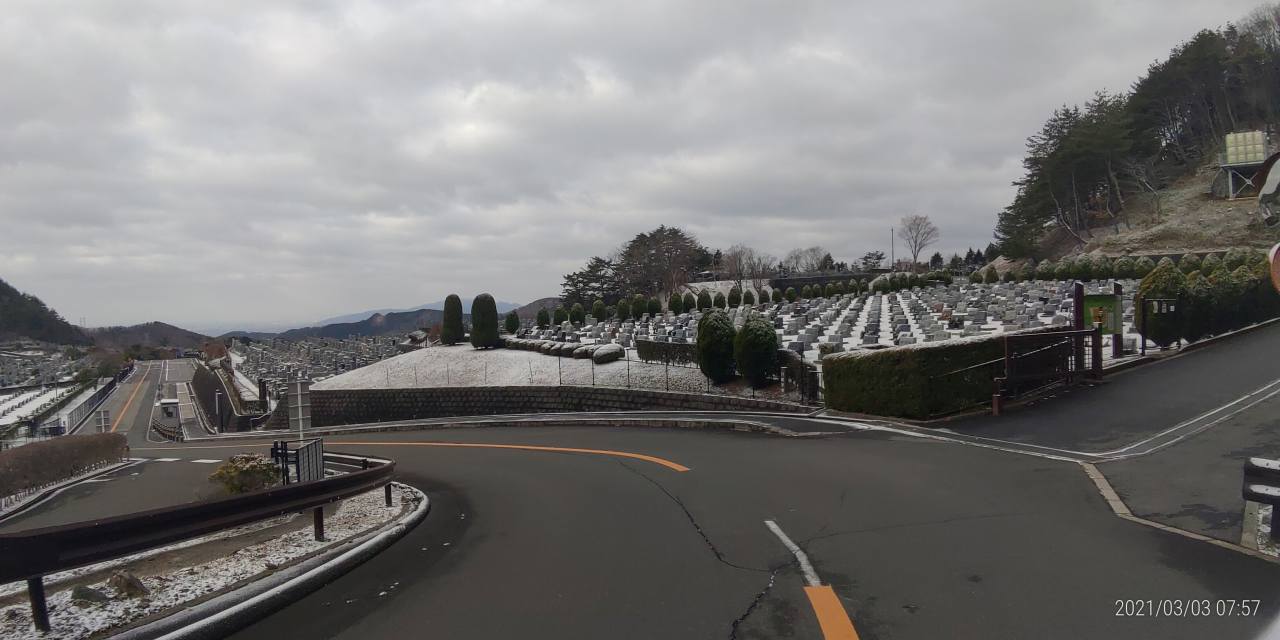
(76, 620)
(463, 366)
(14, 409)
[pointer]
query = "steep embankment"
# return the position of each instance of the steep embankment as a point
(1183, 217)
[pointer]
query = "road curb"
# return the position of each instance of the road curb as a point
(222, 615)
(527, 420)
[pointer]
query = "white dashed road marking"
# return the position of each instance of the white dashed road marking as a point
(166, 459)
(207, 461)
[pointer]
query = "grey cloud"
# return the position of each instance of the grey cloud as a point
(208, 164)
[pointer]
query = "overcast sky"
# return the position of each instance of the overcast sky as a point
(212, 164)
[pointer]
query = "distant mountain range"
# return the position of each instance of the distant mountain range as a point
(503, 307)
(530, 311)
(378, 324)
(149, 334)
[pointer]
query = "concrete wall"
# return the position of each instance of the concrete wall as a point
(337, 407)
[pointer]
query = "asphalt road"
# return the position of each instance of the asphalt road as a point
(1143, 401)
(919, 539)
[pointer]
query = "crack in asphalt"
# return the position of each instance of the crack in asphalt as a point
(693, 521)
(755, 602)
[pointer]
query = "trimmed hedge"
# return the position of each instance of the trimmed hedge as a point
(908, 382)
(735, 297)
(748, 298)
(704, 300)
(690, 302)
(623, 310)
(560, 316)
(791, 294)
(654, 307)
(777, 296)
(666, 352)
(512, 322)
(598, 310)
(639, 306)
(719, 301)
(577, 314)
(675, 304)
(42, 463)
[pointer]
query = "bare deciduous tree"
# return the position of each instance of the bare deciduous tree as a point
(918, 232)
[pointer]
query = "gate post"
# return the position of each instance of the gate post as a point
(317, 517)
(1096, 368)
(1077, 321)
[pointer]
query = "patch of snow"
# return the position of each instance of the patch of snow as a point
(71, 621)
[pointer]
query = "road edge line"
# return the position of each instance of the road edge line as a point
(1121, 510)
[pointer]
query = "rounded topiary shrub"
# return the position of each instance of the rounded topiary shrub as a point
(748, 298)
(1044, 270)
(484, 322)
(598, 310)
(544, 318)
(246, 472)
(806, 292)
(451, 332)
(735, 297)
(1164, 281)
(639, 306)
(704, 300)
(755, 350)
(1210, 263)
(689, 303)
(1103, 269)
(1188, 263)
(1142, 267)
(675, 303)
(577, 314)
(1235, 258)
(839, 286)
(791, 294)
(1082, 268)
(829, 290)
(654, 307)
(714, 348)
(1009, 276)
(990, 276)
(560, 316)
(777, 296)
(1122, 267)
(719, 301)
(512, 322)
(623, 311)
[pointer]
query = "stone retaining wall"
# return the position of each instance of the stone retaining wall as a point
(356, 406)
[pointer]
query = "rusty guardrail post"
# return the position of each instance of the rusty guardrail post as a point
(39, 608)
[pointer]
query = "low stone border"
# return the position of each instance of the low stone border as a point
(222, 615)
(534, 420)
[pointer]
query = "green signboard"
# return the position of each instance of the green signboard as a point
(1103, 310)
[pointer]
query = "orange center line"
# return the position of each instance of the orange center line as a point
(129, 402)
(833, 620)
(527, 447)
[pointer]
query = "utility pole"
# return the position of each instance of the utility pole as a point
(892, 263)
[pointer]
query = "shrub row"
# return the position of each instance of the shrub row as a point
(41, 463)
(1208, 302)
(665, 352)
(909, 381)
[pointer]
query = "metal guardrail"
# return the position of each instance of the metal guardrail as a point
(35, 553)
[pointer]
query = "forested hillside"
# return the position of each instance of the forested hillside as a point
(24, 315)
(1088, 164)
